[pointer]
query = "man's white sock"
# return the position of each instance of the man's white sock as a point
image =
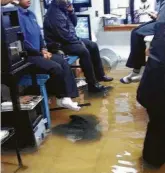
(68, 103)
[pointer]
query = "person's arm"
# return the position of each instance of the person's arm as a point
(157, 50)
(5, 2)
(161, 15)
(59, 27)
(31, 51)
(72, 15)
(73, 18)
(42, 43)
(153, 15)
(43, 50)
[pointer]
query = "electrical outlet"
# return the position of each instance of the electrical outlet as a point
(96, 13)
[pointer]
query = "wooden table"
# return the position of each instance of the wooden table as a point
(128, 27)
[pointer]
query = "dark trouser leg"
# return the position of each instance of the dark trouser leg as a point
(85, 60)
(58, 83)
(95, 57)
(154, 145)
(151, 94)
(137, 55)
(69, 79)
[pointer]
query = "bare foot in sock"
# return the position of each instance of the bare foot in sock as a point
(68, 103)
(132, 77)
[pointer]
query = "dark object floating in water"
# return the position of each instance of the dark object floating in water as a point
(80, 128)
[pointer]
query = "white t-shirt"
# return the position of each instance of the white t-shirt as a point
(143, 8)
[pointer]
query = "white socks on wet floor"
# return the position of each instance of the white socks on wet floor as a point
(67, 102)
(134, 76)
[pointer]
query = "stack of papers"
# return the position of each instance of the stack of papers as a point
(4, 134)
(26, 103)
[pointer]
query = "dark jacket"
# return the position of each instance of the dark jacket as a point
(151, 91)
(157, 50)
(33, 41)
(59, 25)
(161, 14)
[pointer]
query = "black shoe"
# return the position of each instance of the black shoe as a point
(106, 79)
(95, 88)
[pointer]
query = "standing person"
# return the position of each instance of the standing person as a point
(151, 94)
(142, 11)
(137, 55)
(62, 83)
(59, 27)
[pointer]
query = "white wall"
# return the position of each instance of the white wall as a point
(117, 41)
(36, 8)
(97, 5)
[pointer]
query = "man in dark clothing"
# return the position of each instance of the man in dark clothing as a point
(151, 94)
(137, 56)
(59, 27)
(62, 82)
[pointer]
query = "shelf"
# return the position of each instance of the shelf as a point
(129, 27)
(11, 133)
(24, 107)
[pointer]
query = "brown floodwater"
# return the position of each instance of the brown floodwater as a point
(122, 123)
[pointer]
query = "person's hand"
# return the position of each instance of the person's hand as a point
(44, 51)
(15, 2)
(153, 15)
(5, 2)
(70, 8)
(46, 54)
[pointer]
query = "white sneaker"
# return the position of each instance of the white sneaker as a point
(128, 79)
(68, 103)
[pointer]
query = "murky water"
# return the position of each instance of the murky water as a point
(122, 122)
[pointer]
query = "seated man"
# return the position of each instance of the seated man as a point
(151, 94)
(59, 27)
(137, 56)
(62, 82)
